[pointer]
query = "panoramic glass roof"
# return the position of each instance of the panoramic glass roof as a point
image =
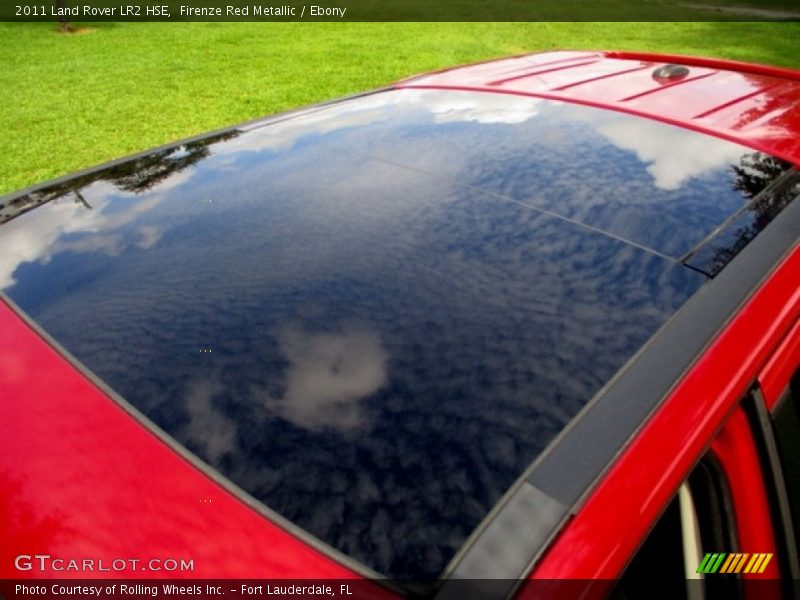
(373, 316)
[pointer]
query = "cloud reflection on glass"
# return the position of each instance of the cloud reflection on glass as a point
(329, 374)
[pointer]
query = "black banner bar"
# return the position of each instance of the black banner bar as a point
(397, 10)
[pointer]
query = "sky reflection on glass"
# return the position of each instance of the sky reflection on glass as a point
(340, 313)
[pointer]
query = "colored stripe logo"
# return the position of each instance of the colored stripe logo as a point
(722, 562)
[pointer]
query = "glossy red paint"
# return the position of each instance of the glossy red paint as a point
(714, 63)
(736, 451)
(81, 478)
(780, 367)
(598, 542)
(750, 104)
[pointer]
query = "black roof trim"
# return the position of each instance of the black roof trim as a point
(502, 548)
(574, 462)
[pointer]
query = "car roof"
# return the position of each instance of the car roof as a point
(396, 320)
(751, 104)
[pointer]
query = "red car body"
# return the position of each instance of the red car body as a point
(131, 494)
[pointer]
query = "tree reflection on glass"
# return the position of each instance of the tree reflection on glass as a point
(134, 176)
(769, 184)
(756, 172)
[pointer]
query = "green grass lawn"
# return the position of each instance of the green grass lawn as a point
(75, 100)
